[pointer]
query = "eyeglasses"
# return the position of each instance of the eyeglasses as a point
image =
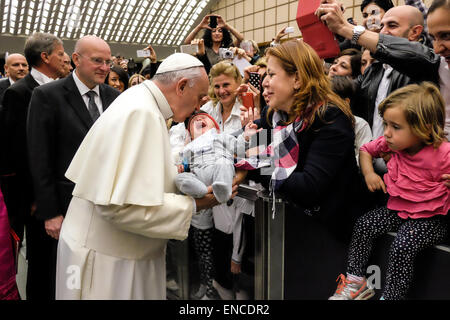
(99, 61)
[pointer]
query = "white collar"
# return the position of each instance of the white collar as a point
(235, 111)
(40, 77)
(161, 100)
(82, 87)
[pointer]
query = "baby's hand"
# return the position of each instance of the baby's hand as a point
(250, 130)
(374, 182)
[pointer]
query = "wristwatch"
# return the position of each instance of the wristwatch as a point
(357, 32)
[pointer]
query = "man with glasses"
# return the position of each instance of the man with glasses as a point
(60, 115)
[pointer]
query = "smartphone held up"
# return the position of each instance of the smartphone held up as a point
(255, 80)
(143, 53)
(189, 49)
(247, 100)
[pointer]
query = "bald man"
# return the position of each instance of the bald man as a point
(60, 115)
(16, 67)
(404, 22)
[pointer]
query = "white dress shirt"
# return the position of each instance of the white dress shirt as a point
(444, 83)
(84, 89)
(377, 124)
(40, 77)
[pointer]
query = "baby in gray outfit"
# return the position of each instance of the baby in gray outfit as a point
(210, 157)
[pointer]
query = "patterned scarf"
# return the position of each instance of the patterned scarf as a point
(284, 148)
(282, 152)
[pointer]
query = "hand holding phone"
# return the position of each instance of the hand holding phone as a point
(289, 30)
(255, 80)
(213, 22)
(189, 49)
(143, 53)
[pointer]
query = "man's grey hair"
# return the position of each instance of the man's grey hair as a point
(37, 43)
(167, 78)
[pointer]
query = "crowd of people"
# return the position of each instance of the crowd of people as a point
(102, 164)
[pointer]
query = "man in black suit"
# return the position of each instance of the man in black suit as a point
(44, 53)
(16, 67)
(60, 115)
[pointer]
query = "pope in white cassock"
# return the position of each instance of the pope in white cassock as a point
(125, 206)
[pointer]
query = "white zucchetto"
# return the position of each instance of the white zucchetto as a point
(177, 62)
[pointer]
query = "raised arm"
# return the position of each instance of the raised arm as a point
(203, 25)
(222, 24)
(330, 12)
(399, 53)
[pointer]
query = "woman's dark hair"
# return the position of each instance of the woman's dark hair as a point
(227, 41)
(355, 60)
(439, 4)
(123, 75)
(383, 4)
(343, 87)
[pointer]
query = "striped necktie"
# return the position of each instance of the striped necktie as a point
(92, 106)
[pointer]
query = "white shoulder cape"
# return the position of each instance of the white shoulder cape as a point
(126, 157)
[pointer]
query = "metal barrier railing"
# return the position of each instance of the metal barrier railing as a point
(268, 255)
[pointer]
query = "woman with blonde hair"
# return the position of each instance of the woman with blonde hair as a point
(313, 153)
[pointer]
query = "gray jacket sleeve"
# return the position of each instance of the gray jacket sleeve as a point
(413, 59)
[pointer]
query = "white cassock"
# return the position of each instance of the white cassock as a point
(124, 207)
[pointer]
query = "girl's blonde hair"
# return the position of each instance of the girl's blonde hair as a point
(298, 58)
(424, 110)
(222, 68)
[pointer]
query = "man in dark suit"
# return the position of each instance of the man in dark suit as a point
(16, 67)
(4, 84)
(44, 53)
(60, 115)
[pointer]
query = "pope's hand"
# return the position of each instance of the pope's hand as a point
(208, 201)
(53, 226)
(235, 267)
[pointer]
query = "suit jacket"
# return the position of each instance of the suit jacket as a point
(4, 84)
(58, 121)
(13, 125)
